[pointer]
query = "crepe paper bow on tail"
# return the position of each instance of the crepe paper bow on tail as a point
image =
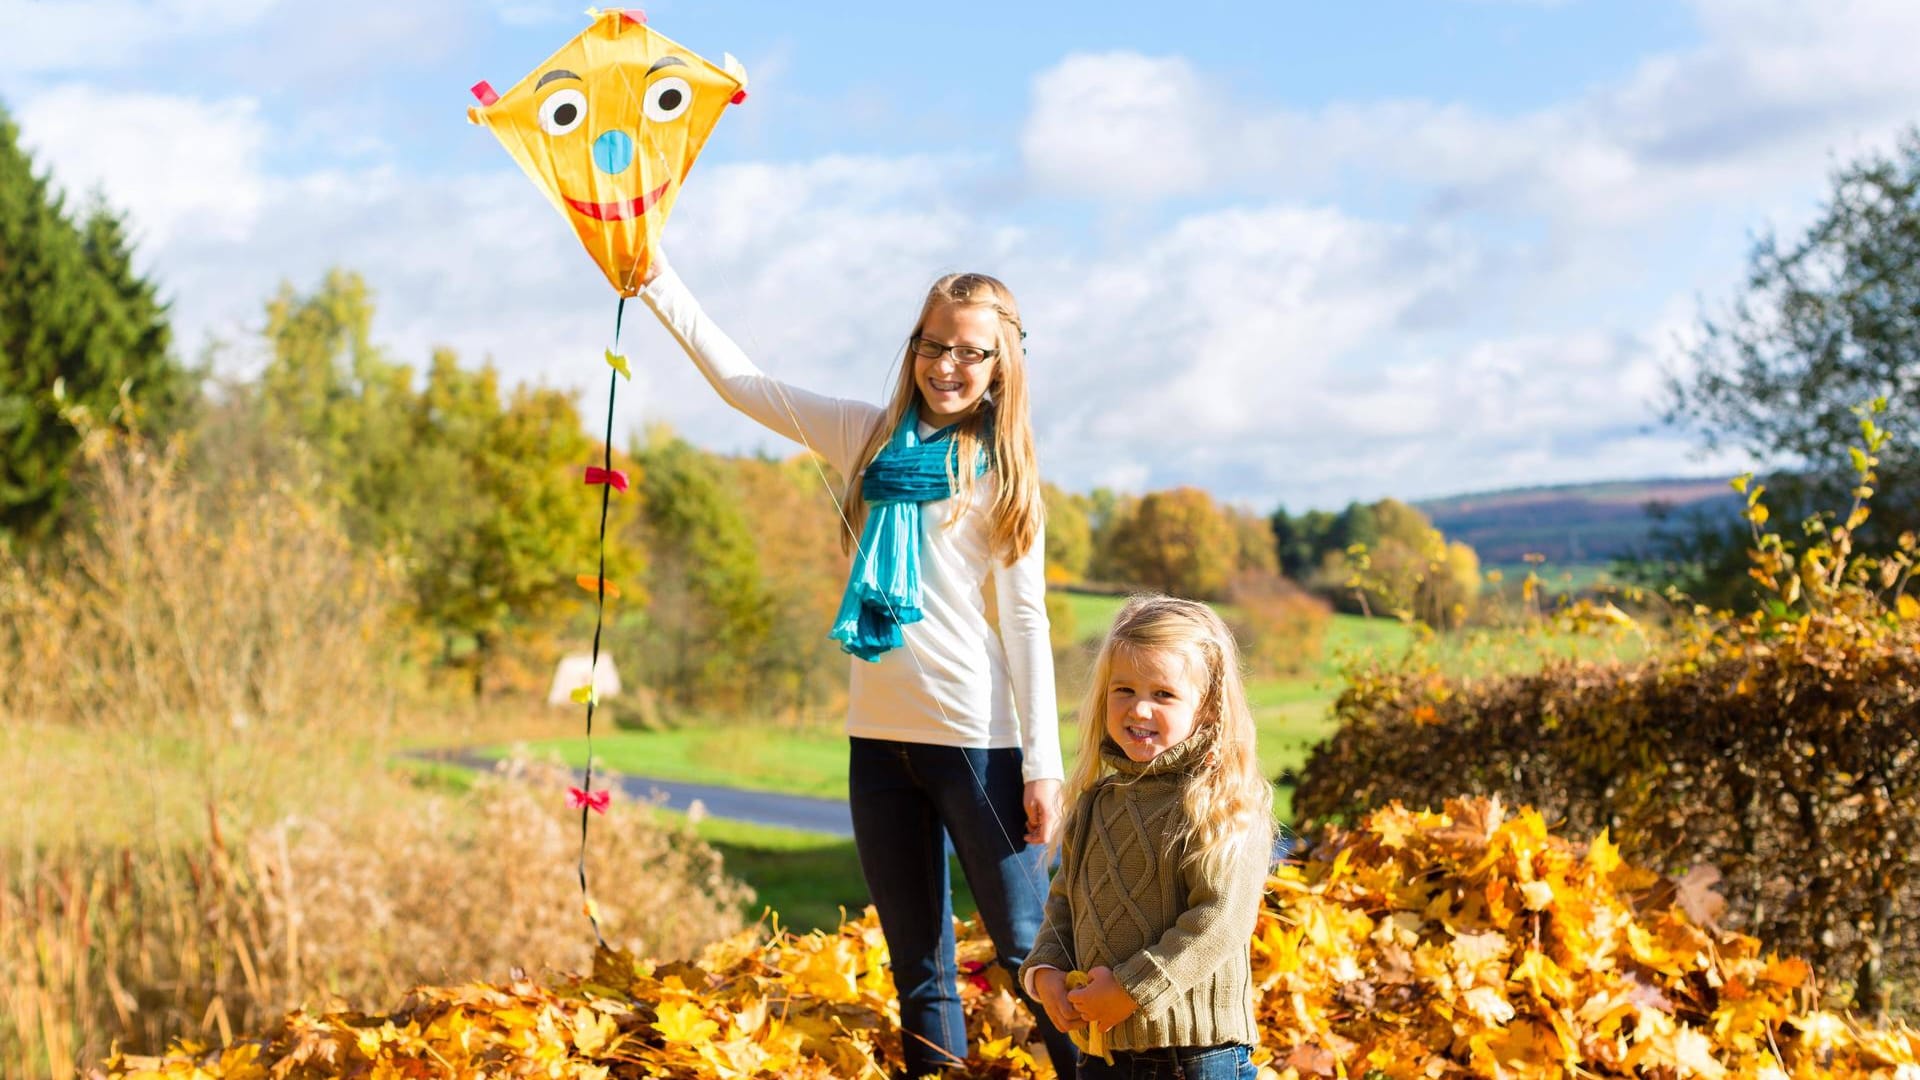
(595, 800)
(598, 586)
(608, 128)
(614, 477)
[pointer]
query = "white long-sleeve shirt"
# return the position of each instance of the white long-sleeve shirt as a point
(957, 682)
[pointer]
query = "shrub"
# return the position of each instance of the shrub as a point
(137, 946)
(197, 824)
(1782, 747)
(1282, 628)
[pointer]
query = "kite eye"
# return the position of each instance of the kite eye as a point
(667, 99)
(563, 111)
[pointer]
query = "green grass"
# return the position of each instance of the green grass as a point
(1291, 714)
(808, 878)
(436, 775)
(811, 761)
(1092, 613)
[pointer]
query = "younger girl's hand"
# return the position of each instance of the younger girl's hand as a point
(1050, 987)
(1103, 1001)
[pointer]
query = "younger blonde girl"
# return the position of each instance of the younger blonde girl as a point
(1164, 854)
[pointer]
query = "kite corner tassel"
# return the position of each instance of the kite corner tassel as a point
(484, 91)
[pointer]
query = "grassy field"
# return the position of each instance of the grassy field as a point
(1290, 714)
(807, 877)
(808, 761)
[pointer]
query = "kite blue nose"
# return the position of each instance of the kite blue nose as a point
(613, 152)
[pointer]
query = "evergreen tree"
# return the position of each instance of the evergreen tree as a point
(133, 322)
(83, 339)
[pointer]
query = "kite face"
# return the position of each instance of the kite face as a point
(608, 128)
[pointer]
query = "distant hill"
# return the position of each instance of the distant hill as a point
(1571, 523)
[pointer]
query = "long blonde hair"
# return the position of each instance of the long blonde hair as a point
(1226, 802)
(1017, 510)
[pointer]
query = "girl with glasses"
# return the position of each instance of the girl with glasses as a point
(952, 725)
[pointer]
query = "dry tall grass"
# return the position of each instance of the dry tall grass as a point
(198, 829)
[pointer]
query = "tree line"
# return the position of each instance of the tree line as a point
(473, 490)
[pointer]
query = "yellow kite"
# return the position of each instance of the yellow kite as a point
(608, 128)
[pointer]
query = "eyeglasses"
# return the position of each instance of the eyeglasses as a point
(962, 354)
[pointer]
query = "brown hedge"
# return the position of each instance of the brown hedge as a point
(1780, 749)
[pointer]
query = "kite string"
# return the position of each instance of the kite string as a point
(1038, 888)
(599, 621)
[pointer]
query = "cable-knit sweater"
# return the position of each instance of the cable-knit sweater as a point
(1177, 942)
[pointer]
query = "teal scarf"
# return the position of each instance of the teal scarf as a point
(883, 590)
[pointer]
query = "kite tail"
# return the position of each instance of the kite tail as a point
(599, 621)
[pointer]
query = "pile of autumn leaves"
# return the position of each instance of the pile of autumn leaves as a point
(1417, 944)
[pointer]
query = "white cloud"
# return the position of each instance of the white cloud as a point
(1280, 355)
(319, 51)
(279, 43)
(173, 164)
(1268, 353)
(1121, 125)
(91, 36)
(1274, 350)
(1752, 111)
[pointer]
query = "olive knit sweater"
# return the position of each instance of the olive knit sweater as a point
(1177, 942)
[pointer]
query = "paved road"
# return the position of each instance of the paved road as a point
(829, 816)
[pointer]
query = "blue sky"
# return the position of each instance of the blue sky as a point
(1292, 252)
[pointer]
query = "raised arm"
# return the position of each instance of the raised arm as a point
(835, 427)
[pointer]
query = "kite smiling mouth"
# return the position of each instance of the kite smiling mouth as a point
(623, 210)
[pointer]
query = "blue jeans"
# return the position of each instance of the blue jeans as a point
(1229, 1062)
(907, 800)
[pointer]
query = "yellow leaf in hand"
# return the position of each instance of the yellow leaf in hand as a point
(1092, 1041)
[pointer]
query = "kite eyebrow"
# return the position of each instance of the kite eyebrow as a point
(556, 73)
(665, 61)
